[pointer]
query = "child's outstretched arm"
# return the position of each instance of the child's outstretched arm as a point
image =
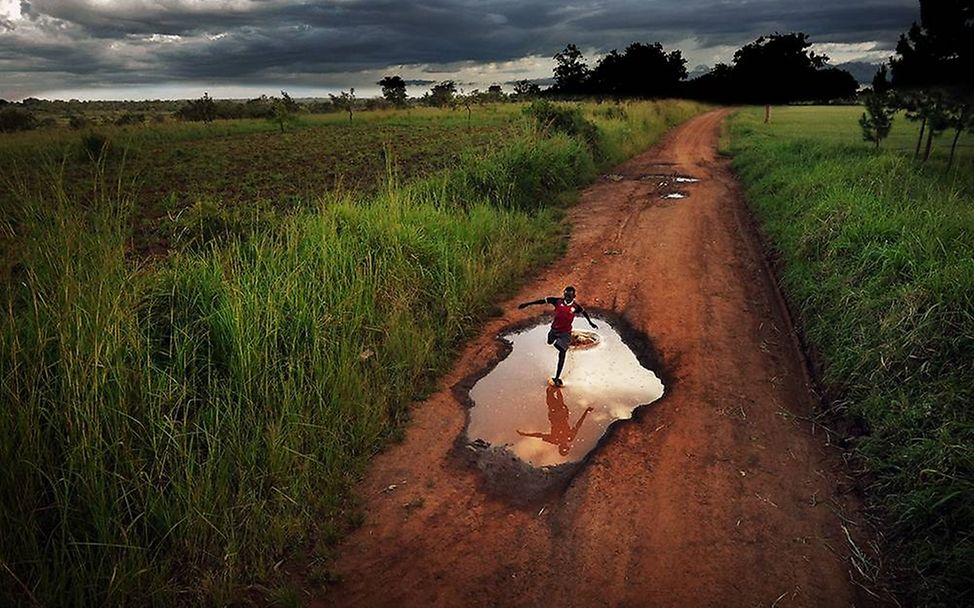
(548, 300)
(585, 314)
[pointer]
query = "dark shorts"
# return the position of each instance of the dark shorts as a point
(561, 339)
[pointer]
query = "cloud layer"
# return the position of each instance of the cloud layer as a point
(51, 45)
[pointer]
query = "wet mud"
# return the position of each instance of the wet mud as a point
(666, 186)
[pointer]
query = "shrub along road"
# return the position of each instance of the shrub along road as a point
(720, 494)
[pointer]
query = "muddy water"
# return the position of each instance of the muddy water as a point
(515, 409)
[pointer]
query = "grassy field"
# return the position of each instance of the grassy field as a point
(179, 173)
(876, 256)
(177, 427)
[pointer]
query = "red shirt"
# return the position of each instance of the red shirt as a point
(564, 315)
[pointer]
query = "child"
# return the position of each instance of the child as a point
(561, 328)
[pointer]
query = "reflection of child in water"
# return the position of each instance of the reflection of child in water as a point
(562, 433)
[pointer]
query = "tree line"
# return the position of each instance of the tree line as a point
(772, 69)
(778, 68)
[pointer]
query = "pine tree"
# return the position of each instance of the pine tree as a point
(877, 120)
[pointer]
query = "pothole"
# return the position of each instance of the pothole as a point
(529, 437)
(663, 179)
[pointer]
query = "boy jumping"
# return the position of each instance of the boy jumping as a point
(561, 327)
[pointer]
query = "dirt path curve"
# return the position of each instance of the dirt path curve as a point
(713, 497)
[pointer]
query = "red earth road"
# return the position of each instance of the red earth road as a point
(716, 496)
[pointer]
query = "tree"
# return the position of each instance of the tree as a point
(939, 51)
(912, 102)
(198, 110)
(441, 94)
(345, 101)
(258, 107)
(777, 69)
(494, 93)
(881, 83)
(642, 70)
(284, 111)
(960, 117)
(467, 101)
(716, 85)
(571, 71)
(206, 108)
(933, 70)
(525, 89)
(832, 83)
(877, 120)
(394, 90)
(936, 110)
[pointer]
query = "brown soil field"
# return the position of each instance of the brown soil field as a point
(722, 493)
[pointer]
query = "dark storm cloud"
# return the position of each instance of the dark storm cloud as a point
(731, 22)
(270, 40)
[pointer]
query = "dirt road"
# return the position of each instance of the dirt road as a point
(715, 496)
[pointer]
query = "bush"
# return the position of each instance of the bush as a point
(525, 174)
(130, 118)
(16, 119)
(95, 145)
(568, 120)
(207, 222)
(78, 121)
(612, 113)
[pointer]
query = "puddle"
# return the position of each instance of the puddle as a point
(663, 179)
(529, 437)
(666, 184)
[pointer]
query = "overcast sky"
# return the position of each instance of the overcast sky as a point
(135, 49)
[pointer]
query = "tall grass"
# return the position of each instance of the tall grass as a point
(878, 258)
(171, 432)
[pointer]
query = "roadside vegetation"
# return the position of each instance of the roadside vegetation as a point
(876, 256)
(179, 429)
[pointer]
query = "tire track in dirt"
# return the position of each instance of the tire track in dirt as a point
(713, 497)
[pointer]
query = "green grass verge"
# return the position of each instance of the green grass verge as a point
(172, 430)
(877, 259)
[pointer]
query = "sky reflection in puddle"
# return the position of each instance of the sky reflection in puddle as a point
(544, 426)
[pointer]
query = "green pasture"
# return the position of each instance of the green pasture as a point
(839, 125)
